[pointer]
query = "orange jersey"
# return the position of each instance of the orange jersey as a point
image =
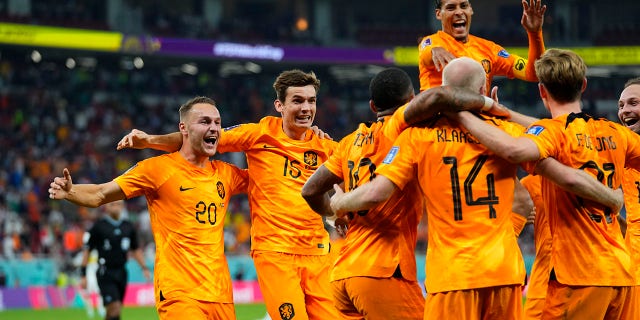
(597, 254)
(494, 58)
(542, 238)
(469, 196)
(631, 188)
(519, 222)
(281, 220)
(382, 238)
(187, 206)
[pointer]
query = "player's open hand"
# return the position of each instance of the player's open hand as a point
(136, 139)
(147, 274)
(533, 15)
(321, 134)
(335, 200)
(620, 200)
(497, 109)
(441, 57)
(60, 187)
(342, 226)
(531, 218)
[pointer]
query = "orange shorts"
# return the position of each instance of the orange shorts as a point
(631, 310)
(378, 298)
(295, 285)
(504, 302)
(533, 308)
(579, 302)
(187, 308)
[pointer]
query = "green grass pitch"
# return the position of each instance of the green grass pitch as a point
(243, 312)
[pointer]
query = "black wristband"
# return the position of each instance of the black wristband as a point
(83, 271)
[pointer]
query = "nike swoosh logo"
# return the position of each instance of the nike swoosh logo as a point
(185, 189)
(269, 147)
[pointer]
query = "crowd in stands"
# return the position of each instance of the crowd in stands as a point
(272, 22)
(52, 117)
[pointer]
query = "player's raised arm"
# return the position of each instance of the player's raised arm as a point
(87, 195)
(532, 21)
(138, 139)
(448, 98)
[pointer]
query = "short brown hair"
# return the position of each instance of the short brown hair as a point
(631, 82)
(186, 107)
(294, 78)
(562, 72)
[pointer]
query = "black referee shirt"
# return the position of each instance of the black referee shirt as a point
(113, 239)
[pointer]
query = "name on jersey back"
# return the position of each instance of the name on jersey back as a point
(455, 135)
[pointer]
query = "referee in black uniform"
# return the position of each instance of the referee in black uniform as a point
(113, 237)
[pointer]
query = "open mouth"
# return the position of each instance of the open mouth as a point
(630, 121)
(460, 26)
(210, 140)
(303, 118)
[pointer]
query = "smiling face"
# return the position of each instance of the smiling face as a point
(455, 16)
(202, 126)
(629, 107)
(298, 110)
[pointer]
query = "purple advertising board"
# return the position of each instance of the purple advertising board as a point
(243, 51)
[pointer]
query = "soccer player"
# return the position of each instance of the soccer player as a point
(474, 265)
(629, 115)
(187, 195)
(591, 275)
(537, 287)
(374, 276)
(454, 40)
(113, 238)
(289, 244)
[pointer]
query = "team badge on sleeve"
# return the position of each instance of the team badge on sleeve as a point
(503, 53)
(535, 130)
(392, 154)
(426, 42)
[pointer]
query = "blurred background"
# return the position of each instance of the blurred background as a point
(77, 75)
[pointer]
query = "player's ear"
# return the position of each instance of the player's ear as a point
(438, 16)
(372, 106)
(277, 104)
(584, 85)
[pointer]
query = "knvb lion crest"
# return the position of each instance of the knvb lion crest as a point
(220, 188)
(311, 158)
(486, 64)
(286, 311)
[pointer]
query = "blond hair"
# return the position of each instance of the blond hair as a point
(186, 107)
(562, 72)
